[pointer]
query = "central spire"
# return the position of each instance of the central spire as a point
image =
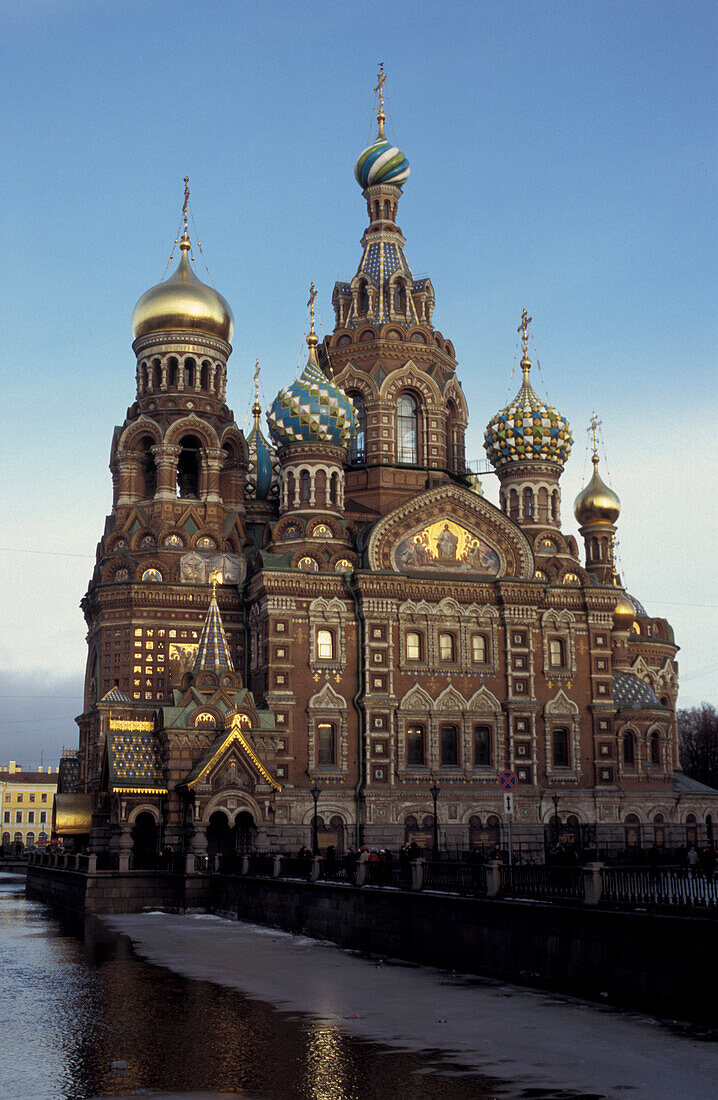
(381, 117)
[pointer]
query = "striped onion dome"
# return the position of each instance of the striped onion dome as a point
(381, 163)
(313, 409)
(528, 429)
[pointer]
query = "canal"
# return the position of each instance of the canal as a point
(166, 1005)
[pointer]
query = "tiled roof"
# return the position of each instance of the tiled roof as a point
(213, 649)
(115, 695)
(134, 761)
(629, 691)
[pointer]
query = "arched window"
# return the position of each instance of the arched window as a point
(513, 504)
(357, 447)
(629, 750)
(449, 746)
(304, 487)
(655, 748)
(452, 442)
(479, 649)
(554, 506)
(399, 297)
(560, 743)
(415, 746)
(204, 375)
(363, 299)
(633, 831)
(148, 469)
(482, 746)
(447, 648)
(408, 429)
(173, 372)
(189, 373)
(557, 653)
(413, 645)
(188, 467)
(325, 645)
(387, 209)
(326, 744)
(528, 503)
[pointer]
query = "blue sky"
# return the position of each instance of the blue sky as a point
(562, 158)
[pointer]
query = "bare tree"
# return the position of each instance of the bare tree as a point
(698, 740)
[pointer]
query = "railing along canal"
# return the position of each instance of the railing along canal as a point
(662, 886)
(543, 882)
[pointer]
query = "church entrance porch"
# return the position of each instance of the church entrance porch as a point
(144, 842)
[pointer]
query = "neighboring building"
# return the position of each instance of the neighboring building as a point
(27, 800)
(342, 609)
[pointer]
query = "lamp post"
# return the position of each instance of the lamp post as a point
(555, 799)
(315, 791)
(434, 789)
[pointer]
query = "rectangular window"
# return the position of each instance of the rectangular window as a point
(446, 648)
(325, 645)
(43, 817)
(18, 817)
(560, 748)
(556, 653)
(415, 746)
(482, 746)
(478, 649)
(31, 817)
(449, 746)
(19, 798)
(325, 744)
(413, 645)
(32, 797)
(7, 817)
(43, 798)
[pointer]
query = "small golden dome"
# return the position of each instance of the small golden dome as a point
(183, 302)
(596, 503)
(624, 613)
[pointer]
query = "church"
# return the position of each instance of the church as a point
(327, 617)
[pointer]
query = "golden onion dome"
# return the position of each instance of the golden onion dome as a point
(183, 302)
(596, 503)
(624, 613)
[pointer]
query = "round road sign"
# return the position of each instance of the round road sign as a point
(508, 780)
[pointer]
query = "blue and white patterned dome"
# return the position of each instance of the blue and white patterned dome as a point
(381, 163)
(313, 409)
(263, 468)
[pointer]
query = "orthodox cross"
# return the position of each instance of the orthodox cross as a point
(215, 578)
(186, 203)
(381, 117)
(310, 306)
(256, 408)
(523, 329)
(595, 424)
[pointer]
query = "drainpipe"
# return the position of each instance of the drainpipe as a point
(241, 589)
(350, 579)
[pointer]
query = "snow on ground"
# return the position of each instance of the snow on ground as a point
(530, 1039)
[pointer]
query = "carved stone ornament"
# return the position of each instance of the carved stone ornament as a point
(449, 529)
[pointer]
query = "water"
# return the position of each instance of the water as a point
(73, 1005)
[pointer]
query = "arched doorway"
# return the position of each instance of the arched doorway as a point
(331, 834)
(633, 832)
(691, 831)
(245, 829)
(144, 841)
(220, 835)
(484, 838)
(419, 833)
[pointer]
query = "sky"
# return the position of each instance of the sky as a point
(563, 159)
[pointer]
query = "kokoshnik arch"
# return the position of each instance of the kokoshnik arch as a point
(341, 606)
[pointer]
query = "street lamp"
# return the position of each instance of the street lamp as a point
(315, 791)
(555, 799)
(434, 789)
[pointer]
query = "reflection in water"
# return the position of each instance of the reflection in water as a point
(72, 1005)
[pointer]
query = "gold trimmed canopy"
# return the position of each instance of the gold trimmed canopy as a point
(72, 814)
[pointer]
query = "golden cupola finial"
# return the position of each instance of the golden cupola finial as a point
(183, 302)
(380, 115)
(596, 504)
(524, 330)
(185, 243)
(312, 339)
(256, 407)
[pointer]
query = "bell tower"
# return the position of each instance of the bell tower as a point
(385, 353)
(178, 467)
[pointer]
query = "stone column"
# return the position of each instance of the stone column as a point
(124, 847)
(125, 467)
(212, 458)
(166, 458)
(592, 883)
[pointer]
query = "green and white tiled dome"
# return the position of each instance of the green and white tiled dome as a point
(528, 429)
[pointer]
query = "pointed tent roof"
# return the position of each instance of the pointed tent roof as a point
(213, 649)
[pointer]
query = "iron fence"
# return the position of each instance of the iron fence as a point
(543, 882)
(660, 886)
(455, 877)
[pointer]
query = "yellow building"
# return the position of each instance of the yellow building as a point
(27, 798)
